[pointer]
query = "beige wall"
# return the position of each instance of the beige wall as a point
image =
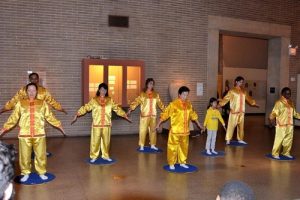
(170, 36)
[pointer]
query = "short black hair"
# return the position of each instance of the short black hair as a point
(239, 78)
(236, 190)
(285, 89)
(211, 100)
(30, 84)
(32, 74)
(147, 82)
(7, 167)
(102, 85)
(183, 89)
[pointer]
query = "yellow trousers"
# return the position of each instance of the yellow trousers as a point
(284, 139)
(177, 149)
(100, 140)
(147, 125)
(235, 120)
(38, 144)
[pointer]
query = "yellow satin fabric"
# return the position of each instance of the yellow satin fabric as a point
(212, 118)
(147, 124)
(178, 146)
(100, 140)
(180, 114)
(42, 94)
(101, 110)
(38, 144)
(148, 103)
(235, 120)
(284, 112)
(237, 97)
(31, 117)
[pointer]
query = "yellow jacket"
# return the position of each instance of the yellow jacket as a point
(237, 97)
(211, 119)
(31, 117)
(284, 112)
(148, 102)
(101, 110)
(180, 113)
(42, 94)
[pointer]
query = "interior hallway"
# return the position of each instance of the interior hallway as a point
(140, 176)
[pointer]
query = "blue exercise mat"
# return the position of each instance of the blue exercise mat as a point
(149, 150)
(101, 161)
(34, 179)
(181, 170)
(220, 153)
(236, 144)
(281, 157)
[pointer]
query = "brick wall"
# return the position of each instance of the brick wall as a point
(170, 36)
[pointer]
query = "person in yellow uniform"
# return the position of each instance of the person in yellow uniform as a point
(42, 94)
(181, 112)
(212, 118)
(31, 114)
(101, 107)
(283, 112)
(237, 97)
(148, 101)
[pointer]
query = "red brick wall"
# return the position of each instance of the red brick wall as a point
(170, 36)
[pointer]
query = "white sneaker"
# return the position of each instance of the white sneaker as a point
(214, 152)
(154, 147)
(242, 142)
(24, 178)
(208, 152)
(141, 148)
(93, 160)
(276, 157)
(172, 167)
(108, 159)
(43, 177)
(227, 142)
(289, 156)
(184, 166)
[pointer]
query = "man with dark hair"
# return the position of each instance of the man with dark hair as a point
(236, 190)
(181, 112)
(237, 97)
(284, 111)
(7, 158)
(43, 94)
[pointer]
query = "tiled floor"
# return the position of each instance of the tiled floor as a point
(140, 176)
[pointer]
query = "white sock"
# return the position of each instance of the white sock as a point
(142, 148)
(227, 141)
(242, 142)
(43, 177)
(276, 157)
(25, 178)
(93, 160)
(108, 159)
(154, 147)
(184, 166)
(289, 156)
(172, 167)
(213, 151)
